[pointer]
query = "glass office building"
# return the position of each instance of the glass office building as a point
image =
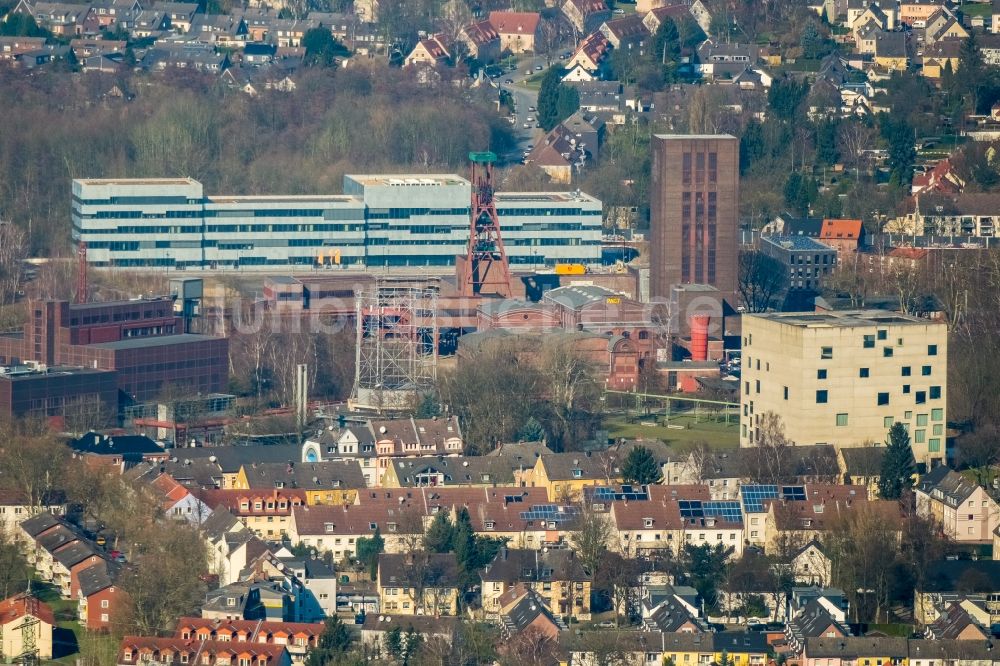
(379, 221)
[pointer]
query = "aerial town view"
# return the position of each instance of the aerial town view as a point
(500, 332)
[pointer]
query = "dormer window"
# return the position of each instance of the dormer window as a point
(577, 473)
(372, 526)
(230, 601)
(335, 483)
(391, 526)
(490, 524)
(647, 522)
(328, 527)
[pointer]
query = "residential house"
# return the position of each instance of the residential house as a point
(813, 621)
(586, 16)
(627, 33)
(232, 546)
(645, 647)
(112, 12)
(957, 580)
(115, 450)
(99, 599)
(915, 13)
(518, 30)
(799, 521)
(891, 51)
(964, 214)
(12, 47)
(259, 54)
(290, 32)
(84, 48)
(179, 502)
(556, 576)
(600, 96)
(811, 565)
(147, 23)
(181, 14)
(337, 529)
(524, 612)
(943, 24)
(963, 508)
(942, 178)
(722, 60)
(565, 475)
(482, 41)
(956, 624)
(377, 627)
(428, 52)
(445, 471)
(353, 442)
(863, 14)
(558, 155)
(332, 482)
(396, 438)
(220, 29)
(865, 36)
(861, 466)
(841, 651)
(26, 629)
(319, 591)
(15, 507)
(989, 48)
(297, 637)
(844, 236)
(702, 15)
(654, 18)
(590, 54)
(138, 650)
(266, 512)
(418, 583)
(61, 19)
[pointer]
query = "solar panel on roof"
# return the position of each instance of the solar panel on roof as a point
(550, 512)
(728, 510)
(690, 509)
(793, 492)
(755, 496)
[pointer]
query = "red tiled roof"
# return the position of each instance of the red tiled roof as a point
(523, 23)
(251, 628)
(481, 32)
(169, 650)
(662, 506)
(834, 229)
(21, 605)
(231, 499)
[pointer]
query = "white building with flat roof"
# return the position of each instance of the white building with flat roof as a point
(380, 220)
(844, 377)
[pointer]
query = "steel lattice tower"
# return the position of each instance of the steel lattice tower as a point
(396, 357)
(486, 269)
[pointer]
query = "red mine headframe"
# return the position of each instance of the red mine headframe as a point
(485, 270)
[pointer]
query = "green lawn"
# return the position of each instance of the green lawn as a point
(70, 641)
(716, 434)
(977, 9)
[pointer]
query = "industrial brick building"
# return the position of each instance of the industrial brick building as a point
(694, 213)
(73, 349)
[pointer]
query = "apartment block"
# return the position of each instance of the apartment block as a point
(380, 220)
(807, 261)
(843, 378)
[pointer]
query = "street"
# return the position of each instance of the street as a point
(525, 98)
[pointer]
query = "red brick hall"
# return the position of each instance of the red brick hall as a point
(141, 341)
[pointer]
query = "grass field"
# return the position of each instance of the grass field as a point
(977, 9)
(716, 434)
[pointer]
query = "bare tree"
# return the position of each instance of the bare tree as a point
(761, 278)
(769, 460)
(863, 549)
(591, 537)
(13, 252)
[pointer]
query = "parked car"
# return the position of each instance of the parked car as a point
(531, 109)
(527, 125)
(508, 81)
(530, 119)
(117, 556)
(618, 11)
(538, 68)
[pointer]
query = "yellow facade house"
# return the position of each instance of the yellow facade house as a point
(332, 483)
(418, 583)
(26, 629)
